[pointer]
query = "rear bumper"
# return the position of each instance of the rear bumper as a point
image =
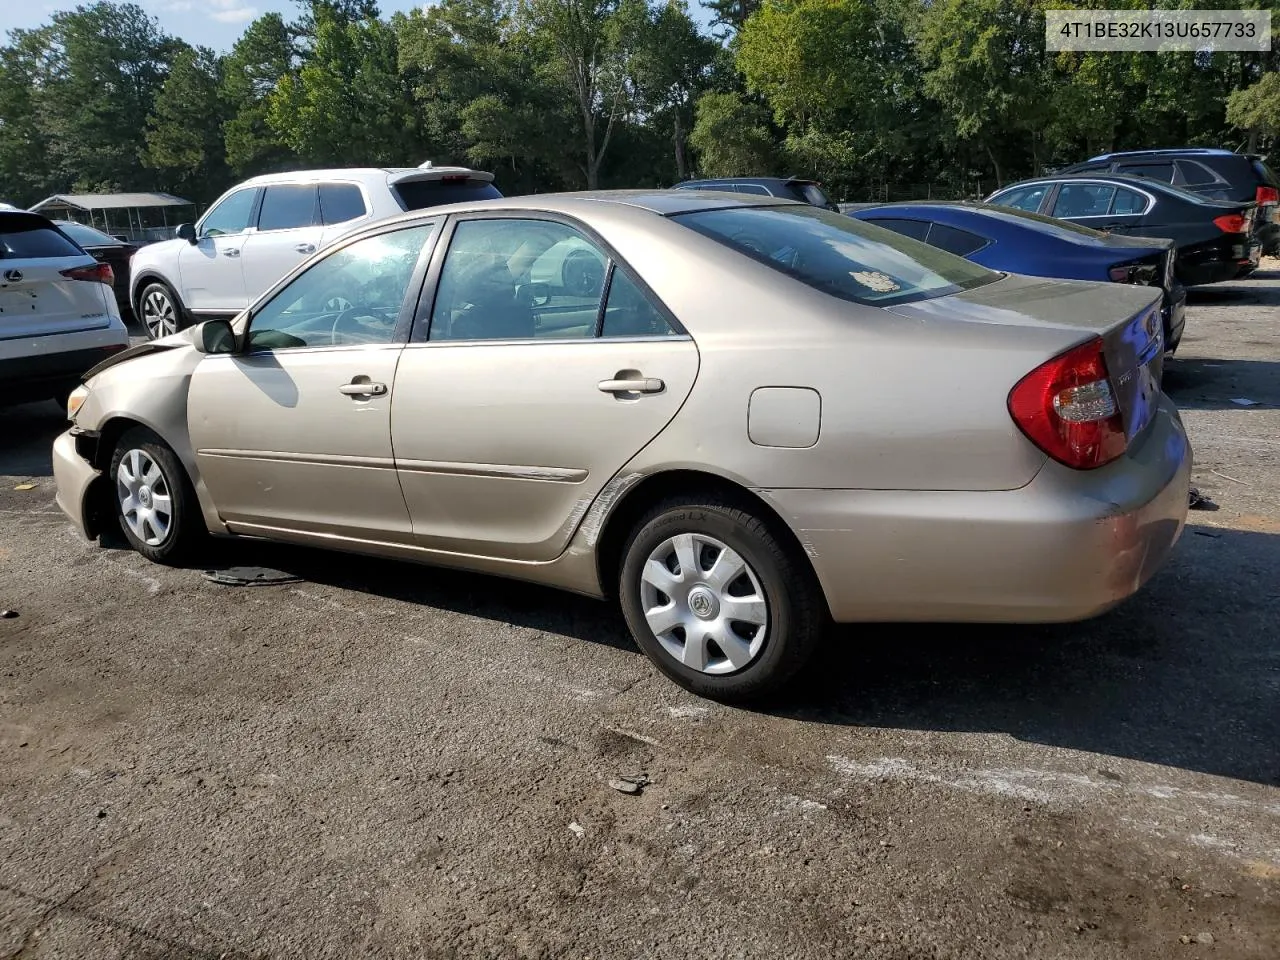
(1174, 316)
(1068, 546)
(37, 368)
(74, 476)
(1217, 262)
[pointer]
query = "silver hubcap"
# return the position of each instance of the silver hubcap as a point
(704, 603)
(159, 315)
(145, 503)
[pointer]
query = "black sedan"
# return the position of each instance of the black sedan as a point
(105, 249)
(1014, 241)
(1214, 238)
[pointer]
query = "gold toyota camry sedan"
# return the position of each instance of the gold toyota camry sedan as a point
(742, 417)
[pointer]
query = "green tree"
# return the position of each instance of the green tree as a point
(184, 132)
(732, 138)
(1256, 109)
(347, 104)
(259, 61)
(25, 171)
(102, 67)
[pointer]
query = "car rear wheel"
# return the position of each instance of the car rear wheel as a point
(154, 501)
(720, 603)
(161, 311)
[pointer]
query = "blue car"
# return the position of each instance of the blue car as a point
(1015, 241)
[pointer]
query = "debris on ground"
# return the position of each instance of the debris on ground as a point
(1200, 502)
(1218, 473)
(1244, 402)
(630, 784)
(8, 614)
(1204, 938)
(25, 486)
(249, 577)
(576, 828)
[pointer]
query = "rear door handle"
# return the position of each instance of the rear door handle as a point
(231, 252)
(365, 389)
(305, 248)
(639, 385)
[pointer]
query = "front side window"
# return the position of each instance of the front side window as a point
(287, 206)
(839, 255)
(231, 216)
(1083, 200)
(509, 279)
(352, 296)
(1023, 198)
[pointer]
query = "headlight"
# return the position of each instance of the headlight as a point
(76, 400)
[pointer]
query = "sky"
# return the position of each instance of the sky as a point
(210, 23)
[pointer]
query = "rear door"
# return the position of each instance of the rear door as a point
(519, 398)
(289, 231)
(39, 292)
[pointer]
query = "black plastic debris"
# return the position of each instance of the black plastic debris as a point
(8, 614)
(1200, 502)
(249, 577)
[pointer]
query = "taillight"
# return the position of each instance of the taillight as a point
(1121, 274)
(1267, 195)
(1231, 222)
(1066, 408)
(1134, 273)
(98, 273)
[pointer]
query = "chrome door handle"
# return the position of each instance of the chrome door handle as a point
(641, 385)
(365, 389)
(231, 252)
(305, 247)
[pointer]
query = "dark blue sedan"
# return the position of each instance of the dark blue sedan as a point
(1015, 241)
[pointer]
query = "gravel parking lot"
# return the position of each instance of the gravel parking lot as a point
(387, 760)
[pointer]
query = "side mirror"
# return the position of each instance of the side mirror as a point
(187, 232)
(215, 336)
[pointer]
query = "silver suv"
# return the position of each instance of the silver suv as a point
(261, 229)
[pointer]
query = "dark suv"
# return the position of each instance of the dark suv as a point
(1216, 174)
(788, 188)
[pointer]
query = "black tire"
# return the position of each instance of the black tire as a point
(185, 530)
(153, 298)
(796, 610)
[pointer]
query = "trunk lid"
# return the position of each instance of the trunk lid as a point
(1125, 316)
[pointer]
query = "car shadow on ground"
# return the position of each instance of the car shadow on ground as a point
(1208, 384)
(1185, 674)
(26, 438)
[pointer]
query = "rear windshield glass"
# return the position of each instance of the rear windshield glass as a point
(31, 237)
(419, 194)
(846, 258)
(87, 236)
(1051, 225)
(1264, 173)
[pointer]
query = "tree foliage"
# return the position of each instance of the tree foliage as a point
(877, 98)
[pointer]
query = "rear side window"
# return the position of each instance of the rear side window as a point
(1264, 173)
(420, 194)
(752, 188)
(288, 206)
(839, 255)
(812, 193)
(340, 202)
(1083, 200)
(1156, 171)
(28, 237)
(1128, 201)
(1196, 174)
(915, 229)
(954, 240)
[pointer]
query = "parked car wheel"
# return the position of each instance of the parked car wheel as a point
(154, 501)
(162, 311)
(723, 606)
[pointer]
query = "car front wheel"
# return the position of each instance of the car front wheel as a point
(154, 502)
(720, 603)
(161, 311)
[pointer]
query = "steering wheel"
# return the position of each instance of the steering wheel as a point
(345, 319)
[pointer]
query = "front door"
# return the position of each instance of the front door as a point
(294, 432)
(210, 271)
(545, 368)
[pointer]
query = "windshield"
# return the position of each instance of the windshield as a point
(846, 258)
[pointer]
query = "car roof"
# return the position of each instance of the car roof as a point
(1168, 152)
(371, 174)
(759, 180)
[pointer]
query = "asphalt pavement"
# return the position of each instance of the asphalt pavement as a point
(394, 761)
